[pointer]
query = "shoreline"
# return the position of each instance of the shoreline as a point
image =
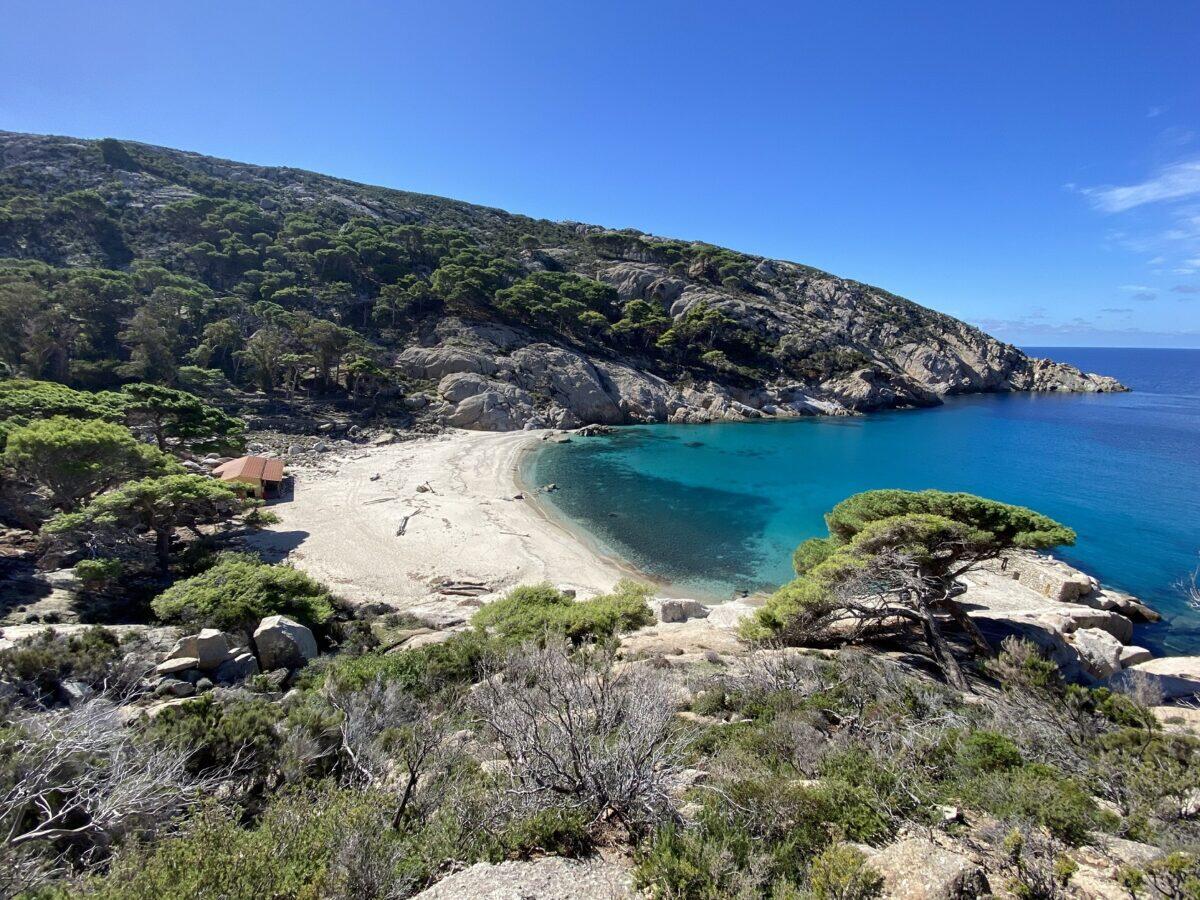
(557, 519)
(388, 524)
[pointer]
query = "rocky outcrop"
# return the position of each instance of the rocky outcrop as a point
(918, 869)
(1048, 375)
(1084, 628)
(495, 378)
(549, 878)
(1171, 677)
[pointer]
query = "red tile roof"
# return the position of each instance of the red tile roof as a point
(250, 468)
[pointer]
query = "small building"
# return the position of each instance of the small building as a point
(263, 476)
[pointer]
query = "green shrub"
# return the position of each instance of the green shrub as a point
(529, 613)
(717, 860)
(218, 734)
(98, 573)
(294, 851)
(1022, 666)
(758, 836)
(987, 751)
(842, 873)
(421, 671)
(238, 591)
(562, 832)
(40, 664)
(1038, 794)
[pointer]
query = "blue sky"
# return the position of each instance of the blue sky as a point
(1033, 168)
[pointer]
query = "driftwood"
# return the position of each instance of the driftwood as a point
(403, 526)
(463, 588)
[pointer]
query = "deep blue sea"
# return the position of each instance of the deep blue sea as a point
(714, 509)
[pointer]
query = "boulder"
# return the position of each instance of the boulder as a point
(1178, 719)
(918, 869)
(237, 668)
(170, 687)
(485, 405)
(439, 614)
(1172, 677)
(1132, 655)
(569, 380)
(283, 643)
(673, 610)
(177, 665)
(1049, 577)
(1099, 650)
(212, 649)
(548, 878)
(73, 692)
(276, 679)
(184, 647)
(428, 638)
(434, 363)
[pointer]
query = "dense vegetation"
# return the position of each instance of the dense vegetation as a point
(384, 770)
(284, 300)
(120, 261)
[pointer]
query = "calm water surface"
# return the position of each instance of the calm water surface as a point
(714, 509)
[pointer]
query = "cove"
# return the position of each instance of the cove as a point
(715, 509)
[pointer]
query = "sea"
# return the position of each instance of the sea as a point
(716, 510)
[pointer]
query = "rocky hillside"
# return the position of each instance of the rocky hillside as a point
(122, 260)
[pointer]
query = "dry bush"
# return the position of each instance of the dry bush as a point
(581, 734)
(1037, 864)
(76, 782)
(389, 740)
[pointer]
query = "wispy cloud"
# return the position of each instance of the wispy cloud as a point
(1154, 112)
(1116, 310)
(1172, 182)
(1030, 329)
(1139, 291)
(1186, 289)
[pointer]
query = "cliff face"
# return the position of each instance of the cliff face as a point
(679, 331)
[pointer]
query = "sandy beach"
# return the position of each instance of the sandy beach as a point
(359, 523)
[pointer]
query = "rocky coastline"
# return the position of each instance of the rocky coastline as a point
(498, 378)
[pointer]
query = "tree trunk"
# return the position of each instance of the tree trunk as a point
(967, 624)
(162, 548)
(398, 817)
(942, 652)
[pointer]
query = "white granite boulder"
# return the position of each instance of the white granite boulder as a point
(548, 878)
(1099, 651)
(729, 614)
(212, 649)
(177, 664)
(1133, 655)
(283, 643)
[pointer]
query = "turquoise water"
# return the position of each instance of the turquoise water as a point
(715, 509)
